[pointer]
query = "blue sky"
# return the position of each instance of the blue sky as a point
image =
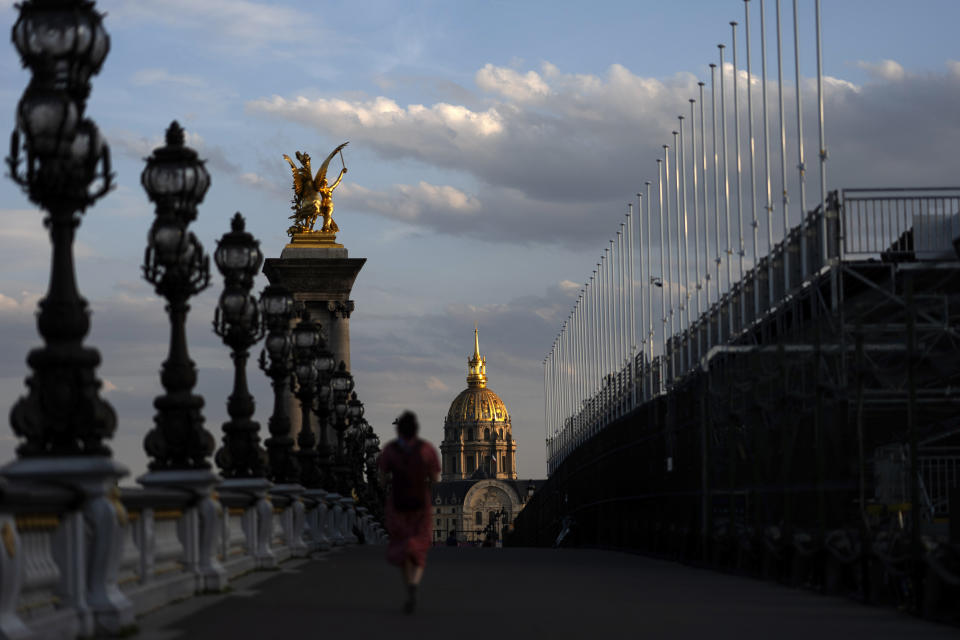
(536, 123)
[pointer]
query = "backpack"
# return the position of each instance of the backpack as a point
(409, 496)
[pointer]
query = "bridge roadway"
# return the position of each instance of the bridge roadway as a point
(520, 593)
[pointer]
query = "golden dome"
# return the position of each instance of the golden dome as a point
(477, 403)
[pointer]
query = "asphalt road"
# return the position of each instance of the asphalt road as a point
(520, 593)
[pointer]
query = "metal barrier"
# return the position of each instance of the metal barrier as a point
(940, 474)
(900, 224)
(892, 225)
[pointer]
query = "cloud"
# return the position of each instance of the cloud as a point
(889, 70)
(545, 156)
(436, 384)
(145, 77)
(242, 25)
(526, 87)
(138, 147)
(410, 203)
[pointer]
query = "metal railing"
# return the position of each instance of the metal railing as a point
(905, 224)
(940, 473)
(901, 224)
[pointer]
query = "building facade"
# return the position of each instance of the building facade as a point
(479, 492)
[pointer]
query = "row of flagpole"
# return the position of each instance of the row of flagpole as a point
(612, 350)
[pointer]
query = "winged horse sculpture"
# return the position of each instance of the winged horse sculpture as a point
(313, 196)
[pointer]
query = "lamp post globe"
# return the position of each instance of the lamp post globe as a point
(62, 163)
(306, 340)
(276, 360)
(326, 364)
(237, 321)
(176, 181)
(64, 42)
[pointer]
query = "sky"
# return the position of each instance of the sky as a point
(493, 149)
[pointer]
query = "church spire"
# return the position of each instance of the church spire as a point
(477, 365)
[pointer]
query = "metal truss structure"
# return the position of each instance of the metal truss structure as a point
(816, 442)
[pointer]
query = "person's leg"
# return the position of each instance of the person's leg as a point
(416, 574)
(412, 573)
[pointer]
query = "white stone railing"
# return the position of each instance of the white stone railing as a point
(69, 568)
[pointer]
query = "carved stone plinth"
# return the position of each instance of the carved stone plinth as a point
(258, 519)
(322, 278)
(94, 536)
(200, 523)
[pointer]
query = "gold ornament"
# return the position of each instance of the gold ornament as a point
(312, 195)
(8, 542)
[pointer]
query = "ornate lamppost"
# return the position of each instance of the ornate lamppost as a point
(65, 168)
(58, 157)
(341, 384)
(174, 263)
(179, 446)
(325, 366)
(355, 434)
(276, 304)
(306, 339)
(237, 322)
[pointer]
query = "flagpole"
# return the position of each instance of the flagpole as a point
(706, 222)
(801, 167)
(736, 135)
(696, 211)
(783, 156)
(663, 290)
(649, 287)
(766, 154)
(686, 248)
(716, 194)
(754, 223)
(823, 141)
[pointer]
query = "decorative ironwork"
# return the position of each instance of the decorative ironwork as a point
(321, 408)
(341, 384)
(175, 264)
(65, 169)
(306, 340)
(276, 307)
(237, 322)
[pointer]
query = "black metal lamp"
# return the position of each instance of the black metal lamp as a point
(237, 322)
(175, 179)
(276, 307)
(175, 264)
(341, 383)
(306, 338)
(65, 41)
(325, 367)
(63, 44)
(354, 409)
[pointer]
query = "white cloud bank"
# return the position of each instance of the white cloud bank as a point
(548, 153)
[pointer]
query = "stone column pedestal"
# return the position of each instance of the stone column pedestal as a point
(317, 519)
(199, 524)
(259, 518)
(93, 536)
(322, 279)
(293, 518)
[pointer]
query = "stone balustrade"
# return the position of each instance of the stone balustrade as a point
(67, 570)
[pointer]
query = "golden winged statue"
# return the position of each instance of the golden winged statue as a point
(313, 197)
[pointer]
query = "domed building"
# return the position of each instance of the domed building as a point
(479, 492)
(477, 436)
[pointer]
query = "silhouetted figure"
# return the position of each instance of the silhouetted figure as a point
(409, 465)
(452, 538)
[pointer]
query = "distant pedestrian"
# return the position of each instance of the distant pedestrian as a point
(409, 466)
(452, 538)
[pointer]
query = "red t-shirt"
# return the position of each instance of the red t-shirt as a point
(411, 465)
